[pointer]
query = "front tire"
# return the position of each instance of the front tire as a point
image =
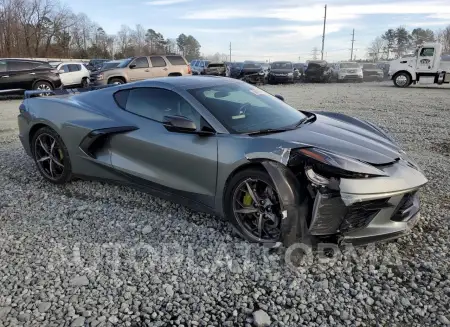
(43, 86)
(116, 81)
(84, 82)
(253, 207)
(402, 80)
(51, 156)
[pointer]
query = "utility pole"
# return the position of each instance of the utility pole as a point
(230, 51)
(353, 41)
(314, 53)
(323, 35)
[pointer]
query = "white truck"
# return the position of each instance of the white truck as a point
(425, 67)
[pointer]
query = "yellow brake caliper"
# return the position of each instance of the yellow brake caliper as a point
(247, 200)
(60, 154)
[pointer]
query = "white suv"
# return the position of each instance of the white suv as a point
(73, 74)
(347, 71)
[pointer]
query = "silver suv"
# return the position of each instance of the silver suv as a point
(145, 67)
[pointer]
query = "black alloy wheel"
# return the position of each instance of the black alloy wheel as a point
(51, 156)
(255, 207)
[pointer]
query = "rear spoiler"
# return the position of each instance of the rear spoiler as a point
(39, 93)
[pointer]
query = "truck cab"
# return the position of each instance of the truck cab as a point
(424, 67)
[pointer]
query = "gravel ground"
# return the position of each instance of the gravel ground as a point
(93, 254)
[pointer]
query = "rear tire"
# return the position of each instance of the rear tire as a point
(43, 85)
(51, 156)
(84, 82)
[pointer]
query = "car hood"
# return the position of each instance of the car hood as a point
(343, 135)
(281, 71)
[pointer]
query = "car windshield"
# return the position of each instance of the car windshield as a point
(216, 65)
(113, 64)
(237, 64)
(252, 65)
(349, 65)
(243, 108)
(125, 63)
(370, 66)
(281, 65)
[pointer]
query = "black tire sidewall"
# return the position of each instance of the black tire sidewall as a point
(228, 200)
(67, 175)
(113, 80)
(35, 86)
(406, 84)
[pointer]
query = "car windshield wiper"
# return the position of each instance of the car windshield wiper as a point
(305, 120)
(269, 131)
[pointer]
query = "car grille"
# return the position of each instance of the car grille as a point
(359, 215)
(407, 208)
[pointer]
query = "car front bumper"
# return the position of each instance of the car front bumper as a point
(350, 77)
(281, 78)
(370, 209)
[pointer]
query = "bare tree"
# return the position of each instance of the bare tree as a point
(376, 48)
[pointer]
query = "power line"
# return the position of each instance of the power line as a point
(323, 35)
(353, 41)
(314, 53)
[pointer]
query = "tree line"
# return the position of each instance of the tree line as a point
(395, 43)
(49, 29)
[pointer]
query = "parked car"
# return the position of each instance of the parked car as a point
(281, 72)
(216, 68)
(234, 69)
(140, 68)
(347, 71)
(73, 74)
(96, 64)
(299, 71)
(252, 72)
(22, 74)
(318, 71)
(372, 72)
(198, 66)
(106, 66)
(276, 173)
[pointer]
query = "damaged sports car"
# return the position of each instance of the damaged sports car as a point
(223, 146)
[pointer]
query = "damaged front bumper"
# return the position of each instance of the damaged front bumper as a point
(372, 209)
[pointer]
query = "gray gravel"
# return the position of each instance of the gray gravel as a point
(93, 254)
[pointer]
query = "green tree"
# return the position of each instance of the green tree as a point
(403, 41)
(389, 36)
(420, 36)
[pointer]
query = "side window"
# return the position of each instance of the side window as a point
(19, 65)
(176, 60)
(155, 103)
(141, 62)
(158, 61)
(2, 66)
(74, 68)
(427, 52)
(65, 68)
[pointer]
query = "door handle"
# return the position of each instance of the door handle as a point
(5, 76)
(32, 73)
(165, 68)
(147, 70)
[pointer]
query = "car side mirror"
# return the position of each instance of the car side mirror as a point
(61, 71)
(132, 66)
(179, 124)
(279, 97)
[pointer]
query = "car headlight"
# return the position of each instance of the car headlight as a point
(338, 165)
(290, 74)
(100, 77)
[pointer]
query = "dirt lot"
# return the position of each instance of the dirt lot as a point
(93, 254)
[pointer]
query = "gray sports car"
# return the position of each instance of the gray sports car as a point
(223, 146)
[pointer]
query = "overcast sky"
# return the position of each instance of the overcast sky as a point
(270, 29)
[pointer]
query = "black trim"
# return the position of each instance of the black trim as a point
(96, 138)
(190, 200)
